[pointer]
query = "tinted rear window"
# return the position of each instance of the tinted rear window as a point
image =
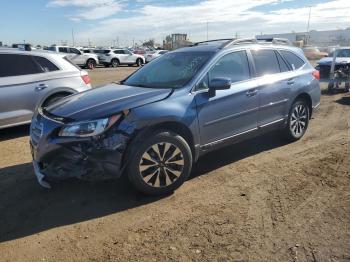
(45, 64)
(294, 61)
(282, 63)
(16, 65)
(265, 62)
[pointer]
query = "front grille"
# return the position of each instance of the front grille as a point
(36, 131)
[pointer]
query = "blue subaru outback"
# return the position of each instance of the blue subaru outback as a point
(157, 122)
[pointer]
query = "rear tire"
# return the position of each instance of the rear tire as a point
(331, 87)
(298, 120)
(90, 64)
(159, 164)
(347, 87)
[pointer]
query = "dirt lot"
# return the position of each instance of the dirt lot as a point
(260, 200)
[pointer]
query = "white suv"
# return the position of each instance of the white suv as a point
(116, 57)
(32, 79)
(80, 58)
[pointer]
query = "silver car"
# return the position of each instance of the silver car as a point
(30, 79)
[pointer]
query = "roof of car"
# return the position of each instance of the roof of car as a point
(33, 52)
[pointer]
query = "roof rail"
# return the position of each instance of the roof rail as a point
(214, 40)
(275, 40)
(240, 41)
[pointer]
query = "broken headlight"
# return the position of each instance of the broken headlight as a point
(88, 128)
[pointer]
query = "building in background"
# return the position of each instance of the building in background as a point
(175, 41)
(316, 38)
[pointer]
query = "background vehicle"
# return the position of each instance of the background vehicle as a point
(30, 79)
(162, 118)
(116, 57)
(155, 54)
(342, 57)
(80, 58)
(337, 68)
(312, 52)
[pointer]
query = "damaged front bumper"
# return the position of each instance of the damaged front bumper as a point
(92, 158)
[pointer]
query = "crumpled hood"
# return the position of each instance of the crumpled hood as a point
(339, 60)
(105, 101)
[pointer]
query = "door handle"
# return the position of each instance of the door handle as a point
(252, 92)
(290, 82)
(41, 87)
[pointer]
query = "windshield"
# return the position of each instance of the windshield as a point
(172, 70)
(341, 53)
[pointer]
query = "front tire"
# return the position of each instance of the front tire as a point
(298, 120)
(115, 63)
(159, 164)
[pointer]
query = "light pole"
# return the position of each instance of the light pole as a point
(73, 37)
(308, 26)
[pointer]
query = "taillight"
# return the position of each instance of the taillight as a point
(86, 79)
(316, 74)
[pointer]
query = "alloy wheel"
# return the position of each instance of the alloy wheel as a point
(298, 122)
(161, 164)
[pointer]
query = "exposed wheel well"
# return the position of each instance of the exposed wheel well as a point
(175, 127)
(63, 93)
(306, 97)
(115, 59)
(91, 59)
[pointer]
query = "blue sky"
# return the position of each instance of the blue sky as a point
(105, 22)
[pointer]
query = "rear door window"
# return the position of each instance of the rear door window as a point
(63, 49)
(265, 62)
(234, 66)
(45, 64)
(74, 51)
(294, 61)
(16, 65)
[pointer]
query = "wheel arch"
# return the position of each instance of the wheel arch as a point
(66, 91)
(171, 126)
(307, 98)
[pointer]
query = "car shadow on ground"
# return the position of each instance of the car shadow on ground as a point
(345, 101)
(14, 132)
(27, 209)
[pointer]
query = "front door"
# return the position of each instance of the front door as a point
(231, 112)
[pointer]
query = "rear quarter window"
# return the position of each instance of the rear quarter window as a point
(45, 64)
(293, 60)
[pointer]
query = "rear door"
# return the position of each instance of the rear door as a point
(19, 84)
(231, 112)
(274, 82)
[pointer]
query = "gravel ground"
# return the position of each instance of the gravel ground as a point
(260, 200)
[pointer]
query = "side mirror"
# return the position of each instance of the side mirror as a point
(220, 83)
